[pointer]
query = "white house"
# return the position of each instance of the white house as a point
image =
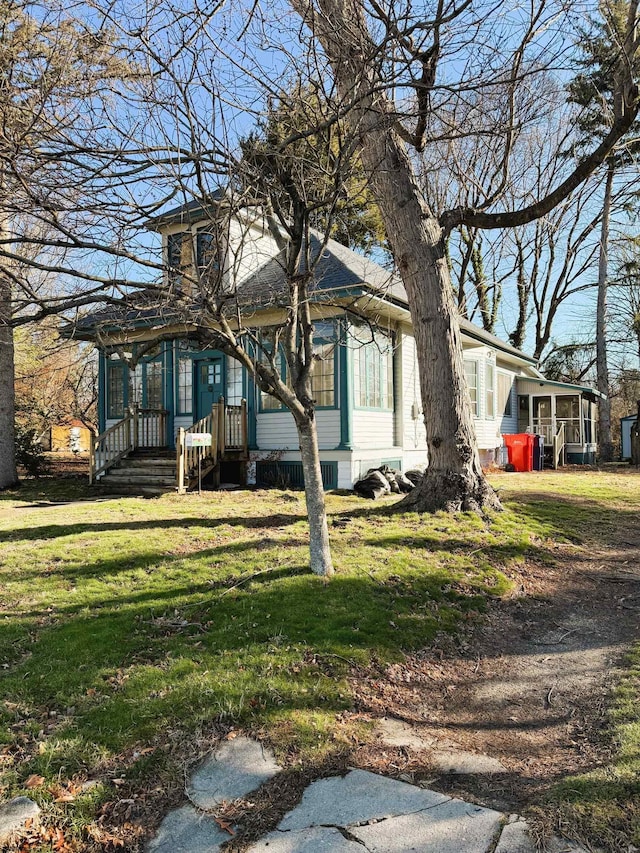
(366, 384)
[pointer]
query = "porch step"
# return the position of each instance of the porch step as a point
(125, 475)
(147, 473)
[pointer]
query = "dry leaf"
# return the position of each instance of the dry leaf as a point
(225, 826)
(34, 781)
(65, 797)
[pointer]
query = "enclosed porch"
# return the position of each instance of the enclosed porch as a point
(564, 414)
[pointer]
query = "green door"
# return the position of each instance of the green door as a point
(210, 383)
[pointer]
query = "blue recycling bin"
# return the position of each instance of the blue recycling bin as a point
(538, 453)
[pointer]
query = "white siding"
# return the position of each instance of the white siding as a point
(414, 434)
(184, 421)
(277, 430)
(249, 248)
(509, 423)
(372, 429)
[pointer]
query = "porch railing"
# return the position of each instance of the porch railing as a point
(228, 428)
(548, 427)
(559, 445)
(187, 457)
(138, 428)
(110, 446)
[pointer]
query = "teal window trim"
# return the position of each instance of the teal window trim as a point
(102, 391)
(169, 384)
(183, 355)
(319, 340)
(345, 385)
(113, 367)
(143, 364)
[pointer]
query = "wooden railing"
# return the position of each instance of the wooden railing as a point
(138, 428)
(150, 427)
(559, 444)
(109, 447)
(187, 457)
(228, 428)
(235, 427)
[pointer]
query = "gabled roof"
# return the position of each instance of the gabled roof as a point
(192, 211)
(339, 272)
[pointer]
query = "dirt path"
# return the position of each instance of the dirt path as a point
(528, 688)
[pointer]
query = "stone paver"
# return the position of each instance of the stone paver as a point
(15, 813)
(453, 827)
(355, 798)
(360, 812)
(515, 838)
(446, 758)
(461, 761)
(315, 840)
(185, 830)
(238, 767)
(398, 733)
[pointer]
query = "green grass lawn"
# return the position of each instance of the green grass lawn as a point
(129, 627)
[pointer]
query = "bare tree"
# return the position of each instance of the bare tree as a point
(444, 52)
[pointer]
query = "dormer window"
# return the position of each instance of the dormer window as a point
(179, 257)
(207, 253)
(180, 252)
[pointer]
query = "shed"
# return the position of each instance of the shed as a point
(625, 435)
(71, 437)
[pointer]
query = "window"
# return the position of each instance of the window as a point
(373, 369)
(146, 380)
(179, 256)
(234, 382)
(115, 389)
(505, 383)
(185, 385)
(490, 390)
(323, 377)
(471, 372)
(269, 403)
(184, 372)
(154, 385)
(207, 255)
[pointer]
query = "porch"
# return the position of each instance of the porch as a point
(137, 453)
(564, 414)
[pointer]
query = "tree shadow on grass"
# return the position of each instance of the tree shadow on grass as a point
(134, 665)
(55, 531)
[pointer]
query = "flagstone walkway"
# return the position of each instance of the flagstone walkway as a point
(360, 812)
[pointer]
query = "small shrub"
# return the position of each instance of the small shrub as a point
(29, 452)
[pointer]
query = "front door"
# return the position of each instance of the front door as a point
(209, 383)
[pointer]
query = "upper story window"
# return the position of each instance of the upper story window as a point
(180, 255)
(207, 252)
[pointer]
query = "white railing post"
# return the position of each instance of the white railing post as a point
(180, 442)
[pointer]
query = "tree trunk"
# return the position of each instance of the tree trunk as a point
(454, 479)
(8, 473)
(604, 407)
(320, 553)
